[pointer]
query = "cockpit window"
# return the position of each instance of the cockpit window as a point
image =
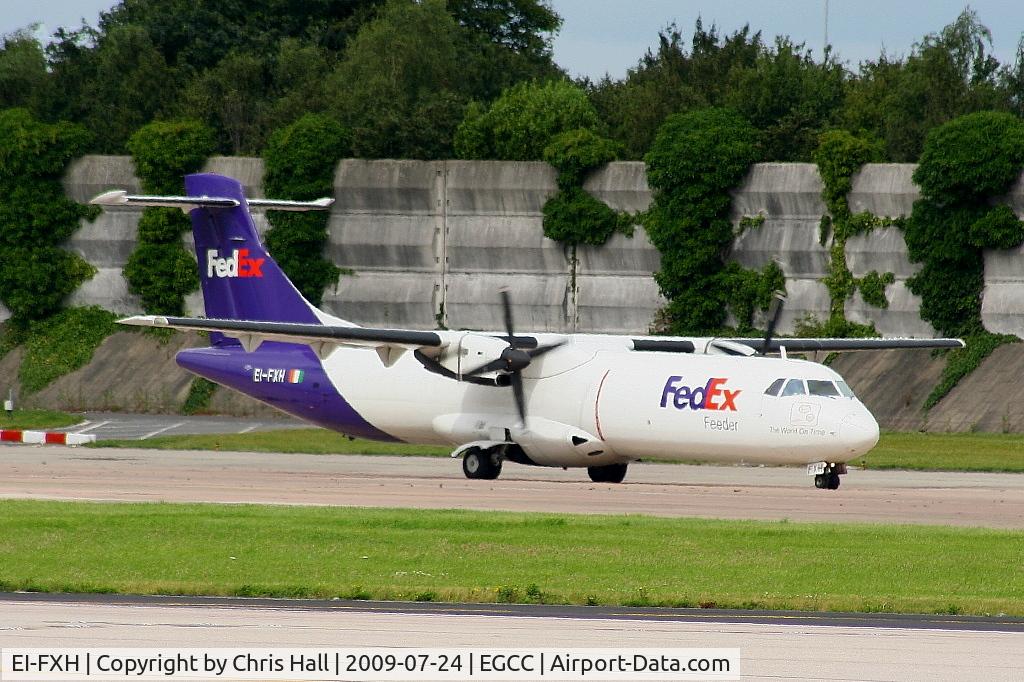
(794, 387)
(845, 389)
(774, 388)
(822, 388)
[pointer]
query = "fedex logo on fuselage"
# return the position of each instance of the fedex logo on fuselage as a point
(238, 264)
(711, 396)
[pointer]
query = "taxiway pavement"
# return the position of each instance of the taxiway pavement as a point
(53, 472)
(773, 646)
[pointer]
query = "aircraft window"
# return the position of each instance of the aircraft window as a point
(845, 389)
(794, 387)
(823, 388)
(774, 388)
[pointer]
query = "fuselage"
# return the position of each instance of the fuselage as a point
(592, 402)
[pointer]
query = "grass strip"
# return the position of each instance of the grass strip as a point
(398, 554)
(38, 419)
(920, 451)
(947, 452)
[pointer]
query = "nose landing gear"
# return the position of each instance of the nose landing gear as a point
(826, 474)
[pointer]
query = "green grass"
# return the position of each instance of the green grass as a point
(38, 419)
(947, 452)
(311, 441)
(498, 556)
(922, 451)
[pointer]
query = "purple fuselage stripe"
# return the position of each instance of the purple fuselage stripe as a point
(287, 376)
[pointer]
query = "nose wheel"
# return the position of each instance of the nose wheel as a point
(829, 481)
(826, 474)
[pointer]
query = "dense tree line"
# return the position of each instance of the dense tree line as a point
(402, 76)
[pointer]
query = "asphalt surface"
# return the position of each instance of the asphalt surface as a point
(135, 474)
(773, 646)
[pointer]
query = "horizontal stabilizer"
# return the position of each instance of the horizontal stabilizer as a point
(120, 197)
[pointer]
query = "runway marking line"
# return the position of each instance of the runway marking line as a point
(166, 428)
(94, 426)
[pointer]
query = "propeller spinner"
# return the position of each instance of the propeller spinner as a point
(513, 360)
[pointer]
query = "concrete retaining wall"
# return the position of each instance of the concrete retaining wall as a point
(431, 242)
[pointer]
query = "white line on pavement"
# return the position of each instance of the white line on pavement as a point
(166, 428)
(94, 426)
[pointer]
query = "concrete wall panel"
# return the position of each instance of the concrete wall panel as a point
(884, 189)
(541, 303)
(901, 319)
(386, 299)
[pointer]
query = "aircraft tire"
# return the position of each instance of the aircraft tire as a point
(833, 481)
(610, 473)
(479, 464)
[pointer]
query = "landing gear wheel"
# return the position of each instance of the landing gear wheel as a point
(829, 481)
(477, 463)
(610, 473)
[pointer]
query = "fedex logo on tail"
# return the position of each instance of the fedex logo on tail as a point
(711, 396)
(238, 264)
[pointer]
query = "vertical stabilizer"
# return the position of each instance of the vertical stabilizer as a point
(240, 280)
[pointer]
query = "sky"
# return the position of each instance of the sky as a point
(601, 37)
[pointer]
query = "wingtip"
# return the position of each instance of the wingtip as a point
(115, 197)
(144, 321)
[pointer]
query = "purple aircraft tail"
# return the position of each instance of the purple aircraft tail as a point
(239, 278)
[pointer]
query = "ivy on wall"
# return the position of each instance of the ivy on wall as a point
(839, 156)
(36, 275)
(572, 216)
(300, 161)
(966, 166)
(160, 271)
(696, 158)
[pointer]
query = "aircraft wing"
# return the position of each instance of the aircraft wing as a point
(389, 343)
(835, 345)
(751, 346)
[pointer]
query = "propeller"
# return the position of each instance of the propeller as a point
(513, 360)
(774, 310)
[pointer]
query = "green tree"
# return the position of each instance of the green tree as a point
(300, 161)
(198, 35)
(23, 77)
(159, 270)
(789, 97)
(402, 65)
(233, 99)
(947, 74)
(36, 275)
(696, 158)
(966, 164)
(671, 80)
(523, 121)
(503, 42)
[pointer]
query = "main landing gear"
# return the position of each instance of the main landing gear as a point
(478, 463)
(610, 473)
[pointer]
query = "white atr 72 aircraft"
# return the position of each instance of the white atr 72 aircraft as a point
(559, 400)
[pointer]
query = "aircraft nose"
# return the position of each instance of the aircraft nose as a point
(859, 432)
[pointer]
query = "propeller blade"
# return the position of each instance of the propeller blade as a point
(774, 310)
(517, 390)
(507, 304)
(541, 350)
(492, 366)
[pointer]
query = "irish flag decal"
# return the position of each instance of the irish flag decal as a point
(294, 376)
